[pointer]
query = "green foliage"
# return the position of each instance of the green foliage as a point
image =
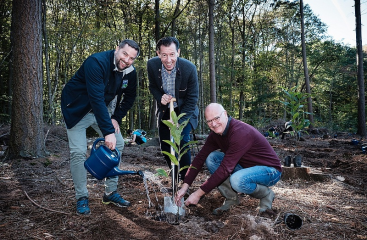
(294, 106)
(175, 130)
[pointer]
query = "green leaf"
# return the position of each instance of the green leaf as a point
(183, 152)
(161, 172)
(189, 143)
(181, 115)
(172, 145)
(171, 157)
(168, 124)
(174, 117)
(185, 167)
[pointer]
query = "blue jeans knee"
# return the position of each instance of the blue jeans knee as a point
(213, 161)
(246, 179)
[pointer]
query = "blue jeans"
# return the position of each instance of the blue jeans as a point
(78, 148)
(244, 180)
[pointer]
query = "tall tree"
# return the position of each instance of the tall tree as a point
(5, 61)
(360, 76)
(26, 134)
(51, 110)
(213, 87)
(304, 57)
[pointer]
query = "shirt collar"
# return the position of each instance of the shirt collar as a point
(114, 63)
(172, 71)
(227, 127)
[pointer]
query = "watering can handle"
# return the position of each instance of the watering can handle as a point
(102, 139)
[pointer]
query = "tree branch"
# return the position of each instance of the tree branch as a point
(43, 207)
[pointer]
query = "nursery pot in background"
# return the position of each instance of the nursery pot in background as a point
(292, 221)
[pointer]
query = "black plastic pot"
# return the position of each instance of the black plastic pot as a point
(292, 221)
(297, 161)
(287, 161)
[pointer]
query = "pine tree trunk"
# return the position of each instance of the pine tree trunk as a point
(305, 68)
(213, 87)
(26, 134)
(361, 94)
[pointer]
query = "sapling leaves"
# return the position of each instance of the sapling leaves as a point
(294, 104)
(161, 172)
(176, 131)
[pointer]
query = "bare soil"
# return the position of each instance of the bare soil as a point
(37, 197)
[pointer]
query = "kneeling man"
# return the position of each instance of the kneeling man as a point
(240, 160)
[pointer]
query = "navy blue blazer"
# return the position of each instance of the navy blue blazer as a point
(88, 89)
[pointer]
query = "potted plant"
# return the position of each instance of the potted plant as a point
(294, 105)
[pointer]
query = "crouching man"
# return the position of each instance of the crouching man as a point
(240, 160)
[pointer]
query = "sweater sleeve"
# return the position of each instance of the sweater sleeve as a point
(199, 160)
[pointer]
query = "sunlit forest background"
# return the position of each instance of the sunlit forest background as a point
(257, 49)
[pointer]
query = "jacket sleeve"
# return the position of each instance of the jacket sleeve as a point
(95, 88)
(126, 98)
(192, 95)
(154, 87)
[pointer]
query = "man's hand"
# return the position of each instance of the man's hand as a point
(194, 197)
(166, 99)
(110, 141)
(116, 125)
(181, 193)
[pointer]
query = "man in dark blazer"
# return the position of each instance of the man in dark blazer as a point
(172, 76)
(99, 96)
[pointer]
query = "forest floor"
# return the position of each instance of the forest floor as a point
(37, 197)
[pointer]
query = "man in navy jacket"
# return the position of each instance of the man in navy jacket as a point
(172, 76)
(99, 96)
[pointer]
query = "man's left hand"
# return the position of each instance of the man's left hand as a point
(116, 126)
(194, 197)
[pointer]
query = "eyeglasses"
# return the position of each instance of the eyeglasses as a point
(216, 119)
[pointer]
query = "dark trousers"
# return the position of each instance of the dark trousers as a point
(164, 134)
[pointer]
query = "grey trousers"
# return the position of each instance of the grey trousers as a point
(78, 148)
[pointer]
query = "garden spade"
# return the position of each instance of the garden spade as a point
(169, 202)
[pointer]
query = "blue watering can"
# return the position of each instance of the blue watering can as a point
(104, 162)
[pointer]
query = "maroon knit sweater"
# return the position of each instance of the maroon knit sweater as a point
(242, 144)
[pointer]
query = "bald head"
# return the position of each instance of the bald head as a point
(214, 107)
(216, 117)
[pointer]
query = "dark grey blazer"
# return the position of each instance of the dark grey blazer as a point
(186, 88)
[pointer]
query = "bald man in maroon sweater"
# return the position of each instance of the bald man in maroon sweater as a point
(240, 160)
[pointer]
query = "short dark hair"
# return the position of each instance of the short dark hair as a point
(129, 131)
(132, 44)
(167, 41)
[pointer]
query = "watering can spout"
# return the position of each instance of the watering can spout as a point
(116, 171)
(104, 163)
(140, 173)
